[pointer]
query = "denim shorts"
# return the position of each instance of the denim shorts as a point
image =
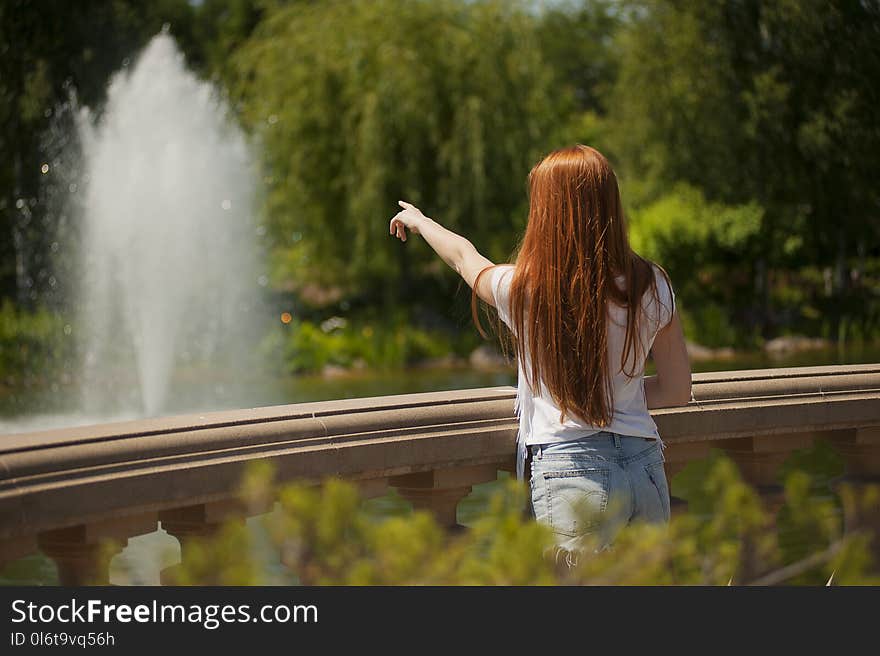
(593, 486)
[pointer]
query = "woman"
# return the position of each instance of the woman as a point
(583, 311)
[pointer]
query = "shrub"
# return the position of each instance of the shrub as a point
(327, 537)
(33, 343)
(305, 346)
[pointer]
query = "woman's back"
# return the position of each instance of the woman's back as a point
(584, 413)
(540, 414)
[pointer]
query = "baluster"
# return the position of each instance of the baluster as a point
(77, 550)
(11, 549)
(197, 521)
(371, 488)
(439, 491)
(860, 448)
(759, 460)
(677, 456)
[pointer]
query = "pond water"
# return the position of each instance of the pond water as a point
(145, 556)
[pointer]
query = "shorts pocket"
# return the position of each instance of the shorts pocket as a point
(576, 499)
(657, 476)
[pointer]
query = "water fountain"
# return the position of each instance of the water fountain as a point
(168, 244)
(161, 187)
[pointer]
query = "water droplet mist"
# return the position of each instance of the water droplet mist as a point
(168, 260)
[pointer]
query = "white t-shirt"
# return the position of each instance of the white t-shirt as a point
(539, 415)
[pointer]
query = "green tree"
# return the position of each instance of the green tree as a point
(50, 47)
(701, 244)
(577, 39)
(752, 101)
(357, 105)
(220, 27)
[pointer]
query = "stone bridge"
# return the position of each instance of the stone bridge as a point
(63, 492)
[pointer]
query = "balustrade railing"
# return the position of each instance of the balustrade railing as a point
(64, 491)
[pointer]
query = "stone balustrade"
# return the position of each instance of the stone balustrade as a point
(65, 491)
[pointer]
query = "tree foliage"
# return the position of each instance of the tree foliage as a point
(326, 536)
(702, 245)
(746, 134)
(446, 105)
(51, 49)
(759, 102)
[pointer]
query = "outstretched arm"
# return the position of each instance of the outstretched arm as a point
(459, 253)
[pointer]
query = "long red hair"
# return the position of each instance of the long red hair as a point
(574, 246)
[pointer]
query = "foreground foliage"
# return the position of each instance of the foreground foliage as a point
(326, 536)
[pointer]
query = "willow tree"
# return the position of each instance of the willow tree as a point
(772, 102)
(358, 104)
